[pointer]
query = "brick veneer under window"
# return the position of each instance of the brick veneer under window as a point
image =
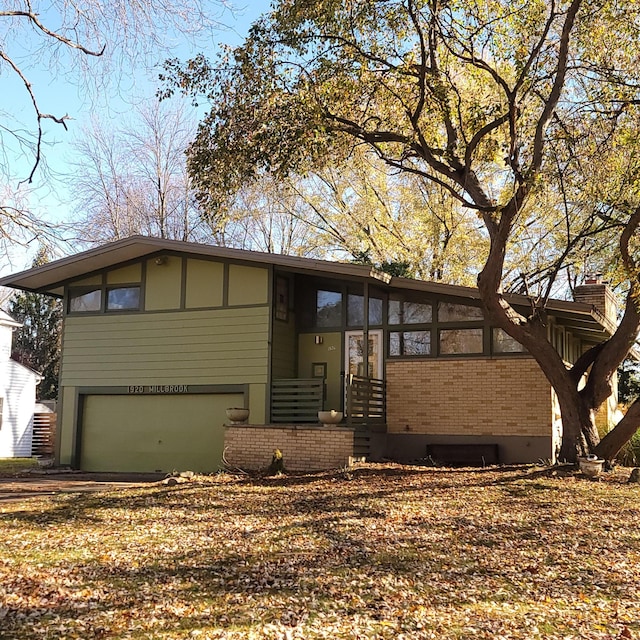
(479, 397)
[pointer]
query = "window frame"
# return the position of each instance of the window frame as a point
(81, 291)
(115, 287)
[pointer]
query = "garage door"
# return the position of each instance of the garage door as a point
(154, 433)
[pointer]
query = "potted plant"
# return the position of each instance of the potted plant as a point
(237, 415)
(330, 417)
(591, 466)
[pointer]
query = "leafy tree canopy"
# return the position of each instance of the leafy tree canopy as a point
(525, 111)
(469, 95)
(37, 343)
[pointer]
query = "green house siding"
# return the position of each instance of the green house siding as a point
(67, 411)
(204, 284)
(248, 285)
(283, 353)
(223, 346)
(329, 352)
(131, 273)
(163, 284)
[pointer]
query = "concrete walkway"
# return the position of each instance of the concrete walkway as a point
(44, 484)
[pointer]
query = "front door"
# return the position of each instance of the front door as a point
(355, 354)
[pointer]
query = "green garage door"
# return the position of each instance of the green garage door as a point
(154, 433)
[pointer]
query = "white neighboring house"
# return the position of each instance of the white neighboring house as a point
(17, 396)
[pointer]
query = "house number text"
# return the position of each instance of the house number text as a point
(159, 388)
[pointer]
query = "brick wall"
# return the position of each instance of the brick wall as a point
(477, 397)
(304, 448)
(600, 296)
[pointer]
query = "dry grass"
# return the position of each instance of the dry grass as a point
(379, 552)
(13, 466)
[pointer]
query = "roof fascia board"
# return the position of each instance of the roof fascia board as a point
(51, 276)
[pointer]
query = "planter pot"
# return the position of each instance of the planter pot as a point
(237, 415)
(328, 418)
(591, 466)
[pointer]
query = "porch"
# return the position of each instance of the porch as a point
(294, 428)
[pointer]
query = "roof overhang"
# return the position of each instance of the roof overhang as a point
(51, 278)
(583, 319)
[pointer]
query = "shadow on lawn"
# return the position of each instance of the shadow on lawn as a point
(249, 547)
(392, 481)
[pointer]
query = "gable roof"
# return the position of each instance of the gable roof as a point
(50, 278)
(17, 366)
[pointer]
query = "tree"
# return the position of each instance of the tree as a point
(524, 111)
(353, 209)
(37, 343)
(133, 179)
(628, 381)
(94, 44)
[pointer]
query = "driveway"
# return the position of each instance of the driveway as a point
(39, 485)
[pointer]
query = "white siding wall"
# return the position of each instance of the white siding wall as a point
(18, 391)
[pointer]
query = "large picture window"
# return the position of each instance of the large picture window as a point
(459, 341)
(355, 311)
(504, 343)
(328, 308)
(409, 312)
(409, 343)
(452, 312)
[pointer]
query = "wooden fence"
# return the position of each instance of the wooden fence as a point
(366, 401)
(296, 399)
(44, 434)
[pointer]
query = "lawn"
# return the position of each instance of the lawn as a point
(11, 466)
(383, 551)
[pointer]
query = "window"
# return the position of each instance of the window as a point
(98, 298)
(328, 309)
(409, 343)
(455, 341)
(123, 298)
(407, 312)
(504, 343)
(375, 311)
(451, 312)
(83, 300)
(355, 310)
(282, 299)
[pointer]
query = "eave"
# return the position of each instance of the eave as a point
(51, 278)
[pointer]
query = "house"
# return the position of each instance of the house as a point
(161, 337)
(17, 396)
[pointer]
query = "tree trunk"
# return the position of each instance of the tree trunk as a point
(579, 432)
(610, 445)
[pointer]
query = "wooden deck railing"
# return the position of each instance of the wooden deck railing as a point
(296, 399)
(366, 401)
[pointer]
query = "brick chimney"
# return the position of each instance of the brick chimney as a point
(597, 293)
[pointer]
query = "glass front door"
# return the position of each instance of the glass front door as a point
(355, 354)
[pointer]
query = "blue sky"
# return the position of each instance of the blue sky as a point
(49, 199)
